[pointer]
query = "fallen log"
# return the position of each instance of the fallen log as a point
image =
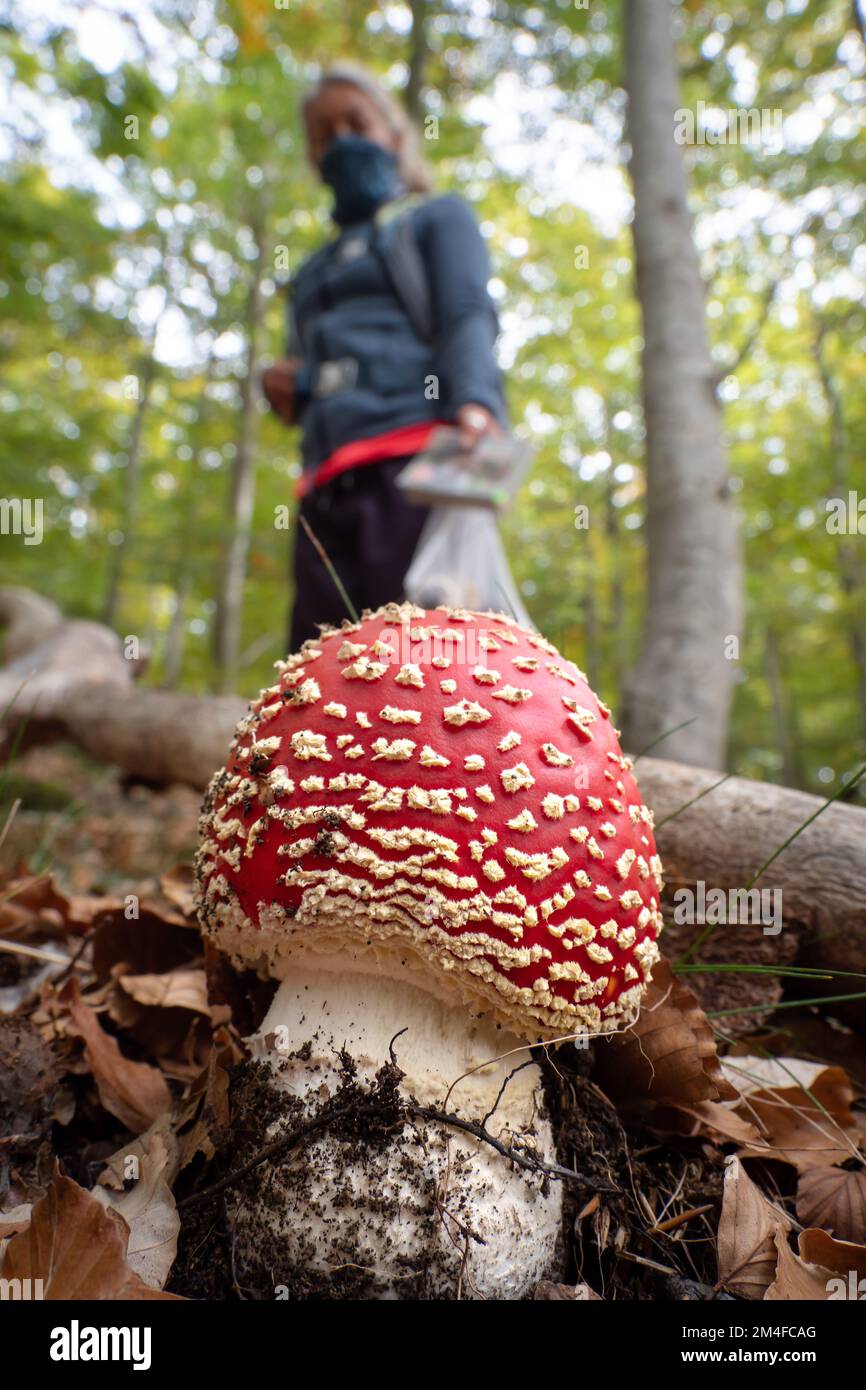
(75, 678)
(46, 658)
(726, 836)
(157, 735)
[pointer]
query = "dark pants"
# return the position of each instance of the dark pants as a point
(369, 533)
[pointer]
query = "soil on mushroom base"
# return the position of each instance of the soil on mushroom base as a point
(592, 1141)
(367, 1120)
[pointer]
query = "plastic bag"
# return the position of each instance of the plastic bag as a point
(459, 561)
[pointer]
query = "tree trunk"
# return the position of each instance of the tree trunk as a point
(593, 665)
(613, 539)
(184, 557)
(174, 642)
(242, 490)
(784, 730)
(418, 53)
(848, 559)
(131, 488)
(683, 675)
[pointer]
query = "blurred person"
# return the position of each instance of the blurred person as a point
(391, 333)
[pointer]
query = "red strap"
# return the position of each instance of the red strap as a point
(408, 439)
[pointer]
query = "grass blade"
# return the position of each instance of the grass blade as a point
(846, 786)
(656, 741)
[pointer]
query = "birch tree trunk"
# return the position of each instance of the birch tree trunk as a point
(683, 675)
(230, 600)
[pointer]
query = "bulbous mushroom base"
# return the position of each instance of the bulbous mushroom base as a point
(382, 1202)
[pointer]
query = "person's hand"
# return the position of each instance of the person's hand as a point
(278, 384)
(473, 421)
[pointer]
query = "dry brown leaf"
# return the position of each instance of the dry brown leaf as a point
(150, 944)
(178, 885)
(30, 902)
(818, 1036)
(835, 1200)
(749, 1073)
(207, 1110)
(132, 1091)
(839, 1256)
(18, 1219)
(709, 1119)
(564, 1293)
(115, 1173)
(247, 996)
(76, 1247)
(795, 1279)
(86, 908)
(795, 1126)
(176, 989)
(747, 1249)
(34, 906)
(148, 1206)
(669, 1055)
(158, 906)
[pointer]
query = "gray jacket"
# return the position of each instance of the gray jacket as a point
(367, 369)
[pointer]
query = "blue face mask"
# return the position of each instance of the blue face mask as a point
(362, 175)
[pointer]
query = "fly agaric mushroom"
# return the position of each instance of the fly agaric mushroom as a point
(428, 824)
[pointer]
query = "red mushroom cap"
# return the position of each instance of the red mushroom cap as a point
(445, 787)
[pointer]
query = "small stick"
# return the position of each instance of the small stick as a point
(326, 561)
(75, 962)
(674, 1221)
(17, 948)
(650, 1264)
(13, 812)
(277, 1147)
(495, 1105)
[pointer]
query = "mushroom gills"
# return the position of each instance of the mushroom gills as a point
(390, 1207)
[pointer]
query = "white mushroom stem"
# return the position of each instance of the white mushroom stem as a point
(435, 1212)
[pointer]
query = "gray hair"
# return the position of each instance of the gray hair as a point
(413, 169)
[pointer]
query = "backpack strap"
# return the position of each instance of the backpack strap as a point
(395, 241)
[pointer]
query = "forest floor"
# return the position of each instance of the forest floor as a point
(701, 1175)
